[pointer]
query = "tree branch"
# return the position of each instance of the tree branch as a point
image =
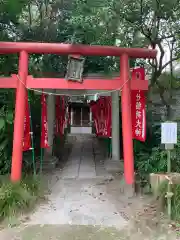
(150, 62)
(172, 60)
(169, 36)
(161, 57)
(30, 15)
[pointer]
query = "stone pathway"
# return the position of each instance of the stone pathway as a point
(78, 197)
(85, 161)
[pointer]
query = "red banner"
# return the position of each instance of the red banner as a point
(138, 73)
(44, 124)
(138, 110)
(101, 111)
(27, 127)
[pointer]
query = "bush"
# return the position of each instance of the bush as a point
(15, 198)
(153, 162)
(148, 154)
(151, 158)
(175, 203)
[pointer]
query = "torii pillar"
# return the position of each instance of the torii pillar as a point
(16, 167)
(115, 126)
(126, 120)
(51, 120)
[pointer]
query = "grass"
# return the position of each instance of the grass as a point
(175, 199)
(19, 197)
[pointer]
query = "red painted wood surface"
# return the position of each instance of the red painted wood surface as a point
(61, 48)
(127, 122)
(61, 83)
(16, 167)
(8, 82)
(88, 84)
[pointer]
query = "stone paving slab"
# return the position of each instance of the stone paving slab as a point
(71, 170)
(81, 160)
(81, 202)
(77, 198)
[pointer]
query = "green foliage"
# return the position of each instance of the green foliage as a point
(9, 10)
(6, 130)
(175, 200)
(6, 123)
(150, 158)
(14, 198)
(153, 162)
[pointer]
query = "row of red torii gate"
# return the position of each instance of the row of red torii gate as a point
(132, 91)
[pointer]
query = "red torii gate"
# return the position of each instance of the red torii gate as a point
(22, 81)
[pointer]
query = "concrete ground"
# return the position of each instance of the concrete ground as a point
(86, 202)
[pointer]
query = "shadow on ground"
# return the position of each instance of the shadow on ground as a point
(64, 232)
(69, 232)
